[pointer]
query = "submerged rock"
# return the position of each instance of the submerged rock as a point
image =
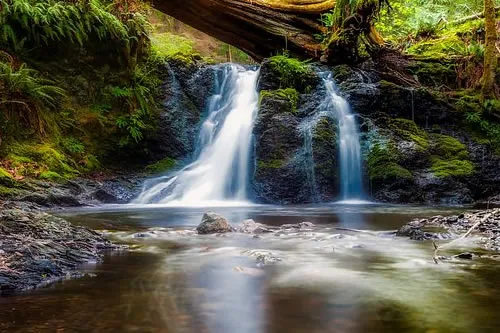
(212, 223)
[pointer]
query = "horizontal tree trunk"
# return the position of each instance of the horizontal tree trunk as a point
(261, 28)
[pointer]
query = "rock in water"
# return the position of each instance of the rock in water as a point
(212, 223)
(252, 227)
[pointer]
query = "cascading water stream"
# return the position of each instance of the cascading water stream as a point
(220, 171)
(349, 142)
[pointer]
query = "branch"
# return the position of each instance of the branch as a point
(437, 247)
(472, 17)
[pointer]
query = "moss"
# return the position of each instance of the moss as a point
(174, 48)
(435, 73)
(34, 159)
(324, 131)
(448, 147)
(291, 72)
(8, 192)
(382, 165)
(470, 102)
(6, 178)
(271, 164)
(161, 166)
(51, 175)
(407, 130)
(289, 94)
(452, 168)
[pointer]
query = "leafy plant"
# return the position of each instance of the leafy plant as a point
(26, 93)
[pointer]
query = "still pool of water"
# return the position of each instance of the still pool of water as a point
(346, 274)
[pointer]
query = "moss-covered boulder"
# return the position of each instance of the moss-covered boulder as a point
(325, 158)
(279, 177)
(281, 72)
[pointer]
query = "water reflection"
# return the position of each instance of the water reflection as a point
(329, 279)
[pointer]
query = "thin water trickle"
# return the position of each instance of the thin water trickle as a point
(349, 142)
(220, 171)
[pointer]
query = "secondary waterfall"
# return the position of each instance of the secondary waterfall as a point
(349, 143)
(220, 171)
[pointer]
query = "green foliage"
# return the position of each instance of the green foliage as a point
(73, 146)
(25, 93)
(173, 47)
(48, 21)
(162, 166)
(476, 116)
(422, 17)
(452, 168)
(382, 164)
(291, 72)
(289, 94)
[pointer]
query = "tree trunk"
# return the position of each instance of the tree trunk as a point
(261, 28)
(490, 52)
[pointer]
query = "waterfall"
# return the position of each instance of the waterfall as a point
(221, 168)
(349, 142)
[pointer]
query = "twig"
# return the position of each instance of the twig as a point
(437, 247)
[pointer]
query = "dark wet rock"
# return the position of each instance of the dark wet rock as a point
(279, 176)
(465, 255)
(298, 226)
(454, 226)
(78, 192)
(212, 223)
(38, 248)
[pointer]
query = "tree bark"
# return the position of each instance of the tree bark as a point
(490, 51)
(259, 27)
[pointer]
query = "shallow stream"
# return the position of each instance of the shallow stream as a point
(348, 273)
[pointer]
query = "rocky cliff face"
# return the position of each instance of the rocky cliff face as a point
(186, 88)
(295, 145)
(416, 146)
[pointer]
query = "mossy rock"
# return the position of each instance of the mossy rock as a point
(161, 166)
(8, 192)
(51, 176)
(270, 164)
(382, 165)
(407, 130)
(434, 73)
(281, 72)
(289, 94)
(35, 159)
(452, 168)
(6, 178)
(447, 147)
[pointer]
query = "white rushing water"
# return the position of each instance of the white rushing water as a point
(220, 172)
(349, 144)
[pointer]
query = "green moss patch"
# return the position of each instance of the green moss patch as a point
(271, 164)
(448, 147)
(35, 160)
(6, 178)
(174, 47)
(382, 165)
(452, 168)
(161, 166)
(409, 131)
(289, 94)
(291, 72)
